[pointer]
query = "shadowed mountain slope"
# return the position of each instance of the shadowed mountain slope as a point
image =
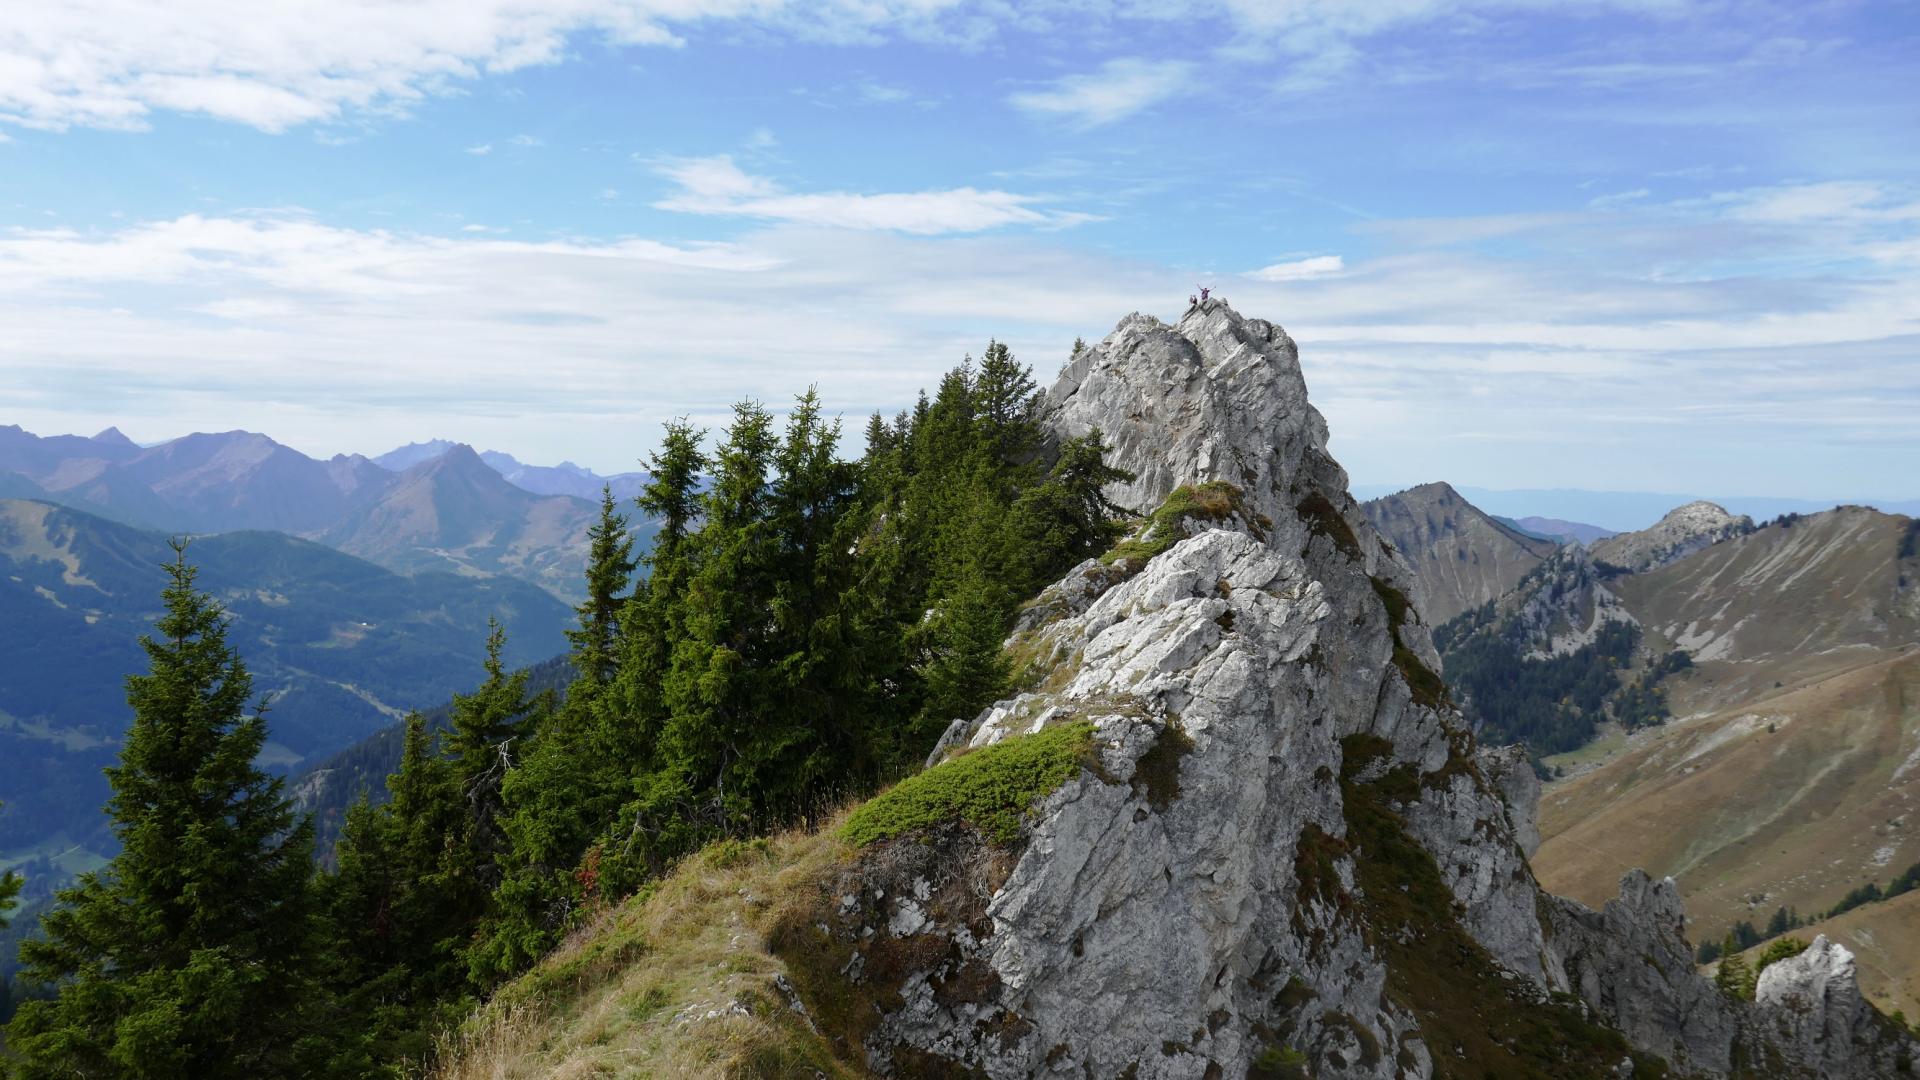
(1461, 558)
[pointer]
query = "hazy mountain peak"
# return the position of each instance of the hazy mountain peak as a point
(1461, 556)
(412, 454)
(462, 456)
(114, 437)
(1686, 529)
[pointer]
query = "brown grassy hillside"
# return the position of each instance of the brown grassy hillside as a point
(1791, 798)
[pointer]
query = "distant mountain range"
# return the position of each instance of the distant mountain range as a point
(427, 506)
(340, 646)
(1626, 511)
(1567, 532)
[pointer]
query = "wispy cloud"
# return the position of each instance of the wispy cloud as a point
(103, 63)
(1119, 89)
(330, 335)
(1300, 269)
(480, 149)
(1836, 202)
(717, 186)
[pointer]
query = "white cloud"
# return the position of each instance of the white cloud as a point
(108, 63)
(1618, 198)
(1301, 269)
(111, 63)
(1117, 90)
(1835, 202)
(336, 338)
(527, 140)
(717, 186)
(480, 149)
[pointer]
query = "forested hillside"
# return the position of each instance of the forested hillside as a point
(804, 626)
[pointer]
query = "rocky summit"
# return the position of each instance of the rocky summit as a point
(1685, 530)
(1280, 852)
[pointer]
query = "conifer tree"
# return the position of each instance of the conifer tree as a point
(818, 735)
(395, 910)
(1068, 518)
(610, 568)
(672, 497)
(1735, 978)
(480, 747)
(714, 688)
(570, 780)
(1007, 403)
(10, 884)
(193, 952)
(965, 669)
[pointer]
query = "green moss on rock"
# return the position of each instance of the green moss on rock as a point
(991, 788)
(1215, 501)
(1428, 688)
(1324, 519)
(1157, 773)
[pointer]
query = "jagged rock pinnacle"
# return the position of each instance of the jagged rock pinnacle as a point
(1221, 880)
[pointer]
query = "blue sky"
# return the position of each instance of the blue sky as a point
(1654, 244)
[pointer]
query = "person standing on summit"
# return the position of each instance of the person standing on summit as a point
(1204, 290)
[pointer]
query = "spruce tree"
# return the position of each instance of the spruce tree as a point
(714, 690)
(610, 568)
(480, 746)
(1735, 978)
(965, 669)
(10, 884)
(395, 910)
(567, 783)
(671, 497)
(1068, 518)
(193, 952)
(628, 722)
(818, 737)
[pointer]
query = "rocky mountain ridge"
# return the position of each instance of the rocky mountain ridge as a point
(1283, 847)
(1461, 557)
(1683, 531)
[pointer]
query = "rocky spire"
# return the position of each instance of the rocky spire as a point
(1284, 848)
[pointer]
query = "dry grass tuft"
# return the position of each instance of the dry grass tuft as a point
(677, 982)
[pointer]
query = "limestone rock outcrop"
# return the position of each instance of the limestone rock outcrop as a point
(1685, 530)
(1284, 851)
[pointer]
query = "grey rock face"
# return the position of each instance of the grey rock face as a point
(1461, 557)
(1630, 962)
(1685, 530)
(1812, 1014)
(1196, 897)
